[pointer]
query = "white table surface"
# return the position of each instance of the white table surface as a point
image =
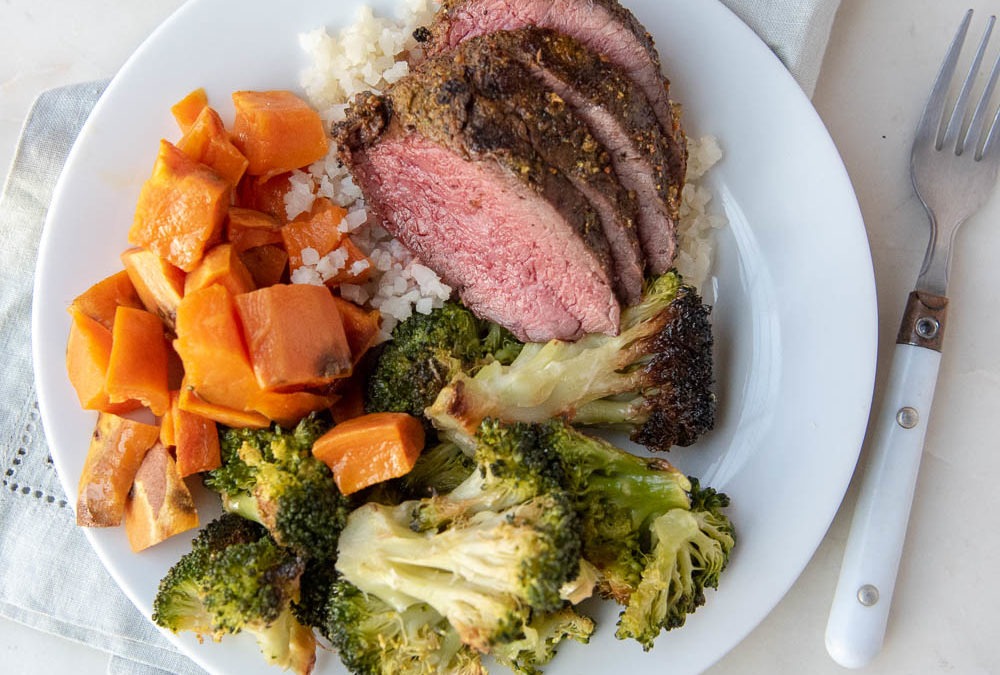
(882, 58)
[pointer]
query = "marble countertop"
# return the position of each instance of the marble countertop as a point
(878, 69)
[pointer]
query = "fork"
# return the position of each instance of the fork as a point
(953, 165)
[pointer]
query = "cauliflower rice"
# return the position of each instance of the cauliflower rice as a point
(369, 55)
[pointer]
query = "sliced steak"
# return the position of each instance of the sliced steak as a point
(495, 72)
(604, 26)
(618, 115)
(473, 199)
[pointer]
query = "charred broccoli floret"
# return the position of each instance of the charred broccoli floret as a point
(426, 350)
(373, 638)
(653, 379)
(236, 578)
(657, 538)
(270, 476)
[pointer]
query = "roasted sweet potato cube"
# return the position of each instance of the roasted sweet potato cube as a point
(100, 301)
(249, 228)
(88, 351)
(197, 443)
(288, 408)
(221, 265)
(159, 504)
(159, 284)
(208, 142)
(277, 131)
(117, 449)
(357, 268)
(295, 336)
(181, 209)
(137, 366)
(265, 194)
(267, 264)
(366, 450)
(210, 344)
(317, 230)
(190, 401)
(186, 110)
(361, 326)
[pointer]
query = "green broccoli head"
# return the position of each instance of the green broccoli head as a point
(485, 573)
(541, 638)
(653, 379)
(373, 638)
(426, 351)
(657, 537)
(439, 470)
(236, 578)
(511, 465)
(270, 476)
(690, 549)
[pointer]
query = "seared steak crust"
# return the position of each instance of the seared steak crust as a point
(468, 193)
(604, 26)
(494, 73)
(619, 116)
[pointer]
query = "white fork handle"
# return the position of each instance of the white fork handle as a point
(861, 602)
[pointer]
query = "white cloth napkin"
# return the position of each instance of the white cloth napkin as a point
(50, 579)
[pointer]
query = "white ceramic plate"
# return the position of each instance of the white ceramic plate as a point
(794, 295)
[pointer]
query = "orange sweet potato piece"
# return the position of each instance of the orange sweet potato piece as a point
(167, 435)
(137, 366)
(208, 142)
(356, 270)
(315, 229)
(370, 449)
(221, 265)
(210, 344)
(88, 351)
(181, 209)
(288, 408)
(117, 448)
(277, 131)
(267, 264)
(159, 284)
(159, 504)
(294, 335)
(361, 327)
(249, 228)
(100, 301)
(186, 110)
(265, 194)
(197, 443)
(188, 400)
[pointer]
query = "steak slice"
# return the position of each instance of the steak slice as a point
(494, 72)
(476, 203)
(618, 115)
(604, 26)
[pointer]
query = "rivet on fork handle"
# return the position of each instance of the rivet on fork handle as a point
(923, 321)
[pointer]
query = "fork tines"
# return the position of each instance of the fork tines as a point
(950, 127)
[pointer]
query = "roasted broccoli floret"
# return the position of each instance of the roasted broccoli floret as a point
(426, 350)
(501, 547)
(438, 470)
(373, 638)
(236, 578)
(270, 476)
(541, 639)
(653, 379)
(657, 538)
